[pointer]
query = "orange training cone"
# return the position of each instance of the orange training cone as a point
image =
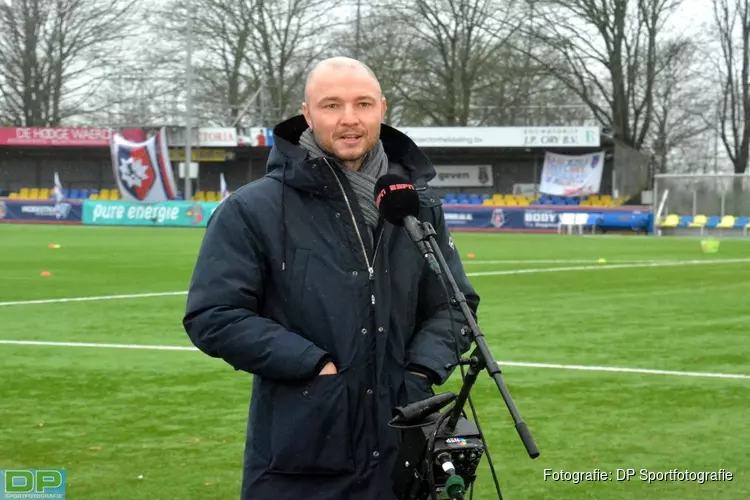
(46, 273)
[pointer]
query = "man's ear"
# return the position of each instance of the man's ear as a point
(384, 106)
(306, 113)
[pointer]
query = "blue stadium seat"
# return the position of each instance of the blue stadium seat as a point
(741, 222)
(486, 197)
(685, 221)
(713, 221)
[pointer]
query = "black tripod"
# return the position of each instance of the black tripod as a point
(448, 441)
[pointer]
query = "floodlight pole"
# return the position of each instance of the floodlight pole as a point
(188, 101)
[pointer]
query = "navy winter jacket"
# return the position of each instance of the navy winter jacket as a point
(288, 277)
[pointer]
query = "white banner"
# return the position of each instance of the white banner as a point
(217, 137)
(565, 175)
(504, 137)
(462, 176)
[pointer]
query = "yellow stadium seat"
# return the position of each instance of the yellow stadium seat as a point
(23, 193)
(93, 197)
(727, 222)
(114, 195)
(498, 199)
(44, 194)
(670, 220)
(488, 201)
(14, 196)
(698, 221)
(210, 196)
(104, 194)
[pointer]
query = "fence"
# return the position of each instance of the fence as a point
(702, 194)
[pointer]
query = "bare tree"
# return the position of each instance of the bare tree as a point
(456, 47)
(733, 30)
(606, 52)
(54, 55)
(251, 56)
(680, 103)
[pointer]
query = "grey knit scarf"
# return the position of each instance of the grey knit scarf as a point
(363, 180)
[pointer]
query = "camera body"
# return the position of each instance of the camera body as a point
(463, 447)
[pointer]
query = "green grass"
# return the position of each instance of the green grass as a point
(178, 418)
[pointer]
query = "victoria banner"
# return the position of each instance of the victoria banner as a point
(566, 175)
(168, 213)
(39, 212)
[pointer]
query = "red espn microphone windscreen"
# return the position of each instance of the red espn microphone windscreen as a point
(396, 198)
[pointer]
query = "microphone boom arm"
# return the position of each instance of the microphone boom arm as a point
(481, 358)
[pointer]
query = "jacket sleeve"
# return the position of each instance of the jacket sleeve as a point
(434, 344)
(224, 297)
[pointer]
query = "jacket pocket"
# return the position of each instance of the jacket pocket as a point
(310, 428)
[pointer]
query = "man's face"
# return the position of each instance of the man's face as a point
(344, 108)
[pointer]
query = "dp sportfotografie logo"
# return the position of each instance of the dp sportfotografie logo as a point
(32, 483)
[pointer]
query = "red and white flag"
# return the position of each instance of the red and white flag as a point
(142, 169)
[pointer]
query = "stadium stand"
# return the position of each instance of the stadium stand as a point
(704, 224)
(503, 199)
(110, 194)
(500, 199)
(519, 200)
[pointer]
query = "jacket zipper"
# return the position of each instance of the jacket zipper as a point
(370, 266)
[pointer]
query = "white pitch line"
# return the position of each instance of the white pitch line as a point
(612, 369)
(561, 261)
(88, 299)
(608, 266)
(615, 369)
(481, 273)
(109, 346)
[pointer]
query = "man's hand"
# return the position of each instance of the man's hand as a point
(328, 369)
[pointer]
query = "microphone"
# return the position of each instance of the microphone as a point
(398, 203)
(420, 409)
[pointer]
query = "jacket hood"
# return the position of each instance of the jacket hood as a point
(288, 156)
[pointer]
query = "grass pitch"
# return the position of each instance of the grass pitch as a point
(166, 424)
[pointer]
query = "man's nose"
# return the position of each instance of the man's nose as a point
(349, 116)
